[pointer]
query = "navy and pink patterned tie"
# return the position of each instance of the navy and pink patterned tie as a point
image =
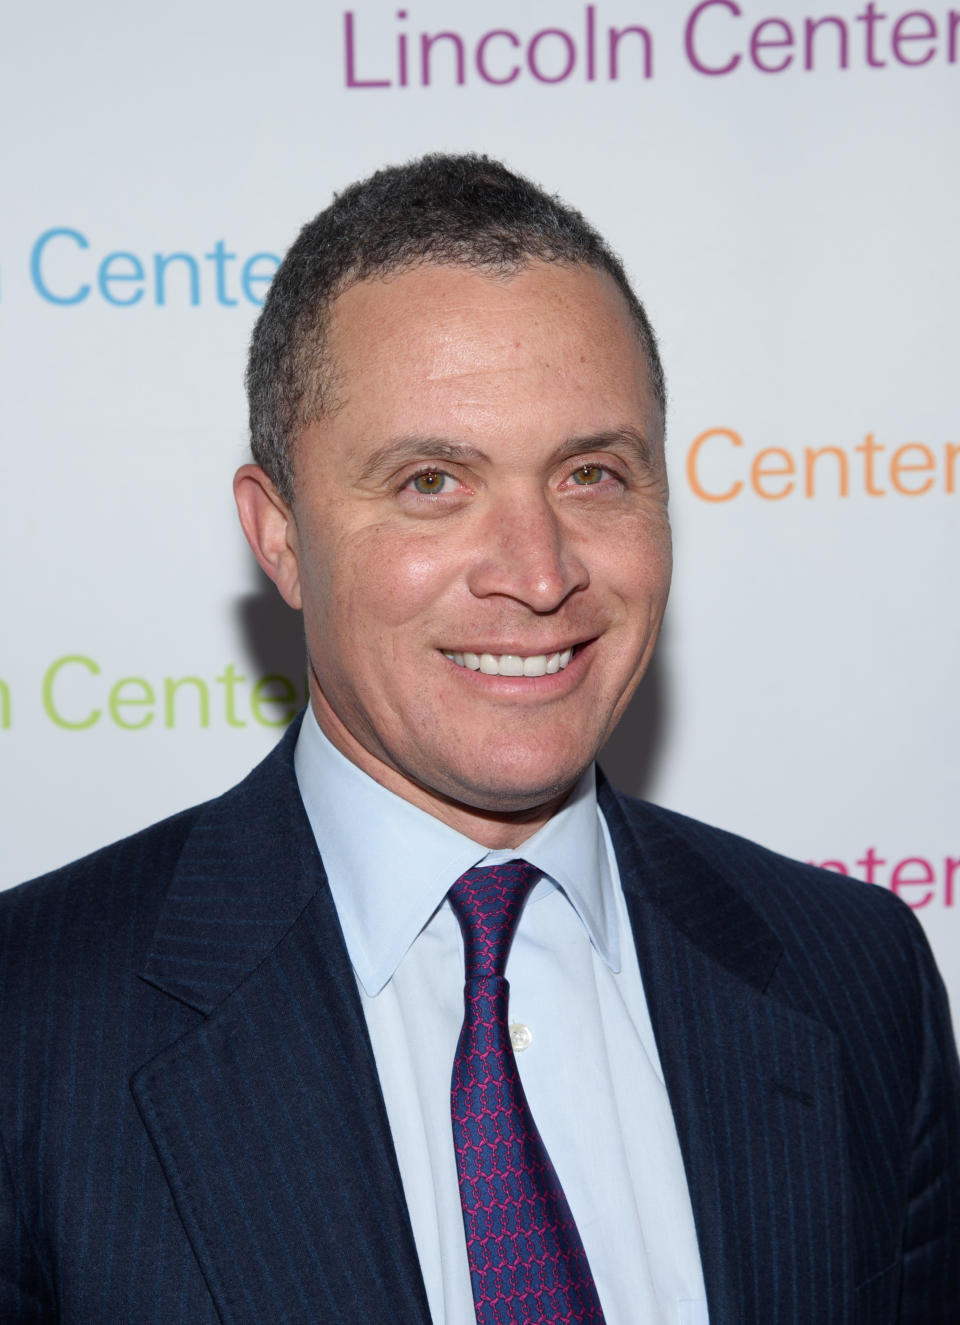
(527, 1263)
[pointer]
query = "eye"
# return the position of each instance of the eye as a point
(587, 475)
(430, 482)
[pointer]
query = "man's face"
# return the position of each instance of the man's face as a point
(490, 487)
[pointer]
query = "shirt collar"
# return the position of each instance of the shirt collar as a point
(391, 864)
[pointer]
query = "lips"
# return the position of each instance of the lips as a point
(512, 664)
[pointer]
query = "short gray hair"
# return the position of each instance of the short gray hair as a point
(462, 210)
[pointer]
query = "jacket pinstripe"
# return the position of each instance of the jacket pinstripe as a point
(192, 1129)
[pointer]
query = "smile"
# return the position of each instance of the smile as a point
(512, 664)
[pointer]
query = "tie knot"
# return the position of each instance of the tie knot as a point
(487, 901)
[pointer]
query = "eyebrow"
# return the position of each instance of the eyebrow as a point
(628, 439)
(403, 450)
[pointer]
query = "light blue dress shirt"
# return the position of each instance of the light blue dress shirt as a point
(590, 1068)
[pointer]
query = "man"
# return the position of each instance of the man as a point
(228, 1042)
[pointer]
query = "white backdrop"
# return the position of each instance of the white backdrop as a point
(781, 181)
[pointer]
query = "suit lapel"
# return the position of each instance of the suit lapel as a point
(755, 1087)
(268, 1118)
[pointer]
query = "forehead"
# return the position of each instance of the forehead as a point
(488, 351)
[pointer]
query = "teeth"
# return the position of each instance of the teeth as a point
(511, 664)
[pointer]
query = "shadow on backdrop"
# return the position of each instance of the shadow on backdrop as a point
(630, 757)
(273, 637)
(272, 634)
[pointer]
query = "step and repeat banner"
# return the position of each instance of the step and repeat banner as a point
(781, 181)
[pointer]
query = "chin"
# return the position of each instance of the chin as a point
(514, 789)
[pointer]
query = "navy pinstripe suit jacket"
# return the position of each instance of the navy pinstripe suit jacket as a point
(193, 1131)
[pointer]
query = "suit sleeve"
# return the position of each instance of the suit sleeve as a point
(24, 1295)
(930, 1286)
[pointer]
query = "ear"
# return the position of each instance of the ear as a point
(271, 530)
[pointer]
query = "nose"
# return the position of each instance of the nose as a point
(527, 554)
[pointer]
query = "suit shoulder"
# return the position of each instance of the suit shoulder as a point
(152, 850)
(833, 935)
(775, 884)
(115, 894)
(92, 903)
(152, 853)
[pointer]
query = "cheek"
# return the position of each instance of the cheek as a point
(639, 565)
(662, 560)
(382, 579)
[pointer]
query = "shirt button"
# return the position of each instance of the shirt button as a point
(521, 1037)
